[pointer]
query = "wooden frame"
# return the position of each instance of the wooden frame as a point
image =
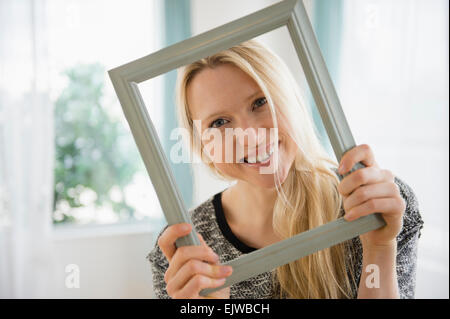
(290, 13)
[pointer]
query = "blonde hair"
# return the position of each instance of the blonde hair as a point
(308, 197)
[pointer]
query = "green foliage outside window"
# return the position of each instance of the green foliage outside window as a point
(94, 153)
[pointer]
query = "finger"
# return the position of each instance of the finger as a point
(196, 284)
(361, 153)
(168, 238)
(219, 294)
(386, 206)
(367, 192)
(201, 239)
(185, 253)
(196, 267)
(363, 176)
(203, 242)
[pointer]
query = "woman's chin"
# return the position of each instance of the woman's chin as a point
(267, 180)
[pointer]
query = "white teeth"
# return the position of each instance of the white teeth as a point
(263, 159)
(260, 158)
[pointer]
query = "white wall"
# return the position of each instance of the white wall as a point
(111, 261)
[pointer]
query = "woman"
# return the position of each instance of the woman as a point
(248, 87)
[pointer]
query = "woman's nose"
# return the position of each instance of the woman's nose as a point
(250, 137)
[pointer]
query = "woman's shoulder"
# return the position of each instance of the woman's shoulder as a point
(208, 221)
(203, 214)
(412, 219)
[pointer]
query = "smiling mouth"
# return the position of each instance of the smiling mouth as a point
(259, 159)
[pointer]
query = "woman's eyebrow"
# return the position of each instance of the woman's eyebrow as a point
(253, 95)
(245, 100)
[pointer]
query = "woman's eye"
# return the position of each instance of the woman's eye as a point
(260, 102)
(218, 123)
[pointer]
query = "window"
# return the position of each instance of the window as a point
(99, 175)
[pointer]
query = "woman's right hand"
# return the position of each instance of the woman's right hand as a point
(191, 268)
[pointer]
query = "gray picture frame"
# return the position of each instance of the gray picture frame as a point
(289, 13)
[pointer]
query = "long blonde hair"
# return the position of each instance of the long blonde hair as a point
(308, 197)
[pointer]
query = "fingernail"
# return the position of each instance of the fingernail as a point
(185, 227)
(225, 270)
(214, 255)
(220, 281)
(341, 169)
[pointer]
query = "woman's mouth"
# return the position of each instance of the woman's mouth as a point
(261, 160)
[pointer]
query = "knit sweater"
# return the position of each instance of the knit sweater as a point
(209, 220)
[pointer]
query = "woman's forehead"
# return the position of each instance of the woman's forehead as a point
(217, 89)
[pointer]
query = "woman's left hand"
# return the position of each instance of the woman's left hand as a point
(371, 190)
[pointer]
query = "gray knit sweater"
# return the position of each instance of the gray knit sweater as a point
(209, 220)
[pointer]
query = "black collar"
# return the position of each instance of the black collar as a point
(225, 228)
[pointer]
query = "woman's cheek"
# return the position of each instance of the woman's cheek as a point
(219, 152)
(213, 151)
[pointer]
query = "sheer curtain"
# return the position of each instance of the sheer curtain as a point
(26, 152)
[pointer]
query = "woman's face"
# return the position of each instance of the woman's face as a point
(228, 101)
